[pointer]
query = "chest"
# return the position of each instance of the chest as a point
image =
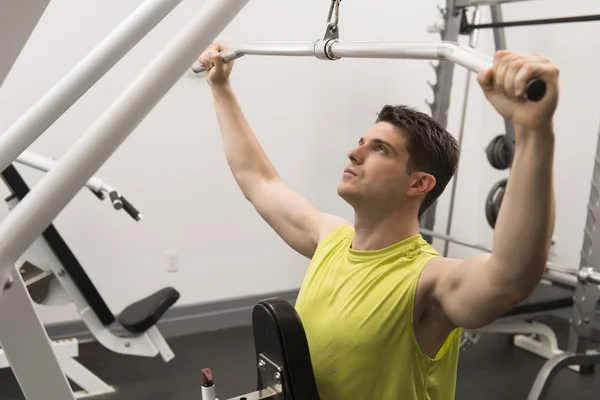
(357, 305)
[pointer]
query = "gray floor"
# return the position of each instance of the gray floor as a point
(491, 370)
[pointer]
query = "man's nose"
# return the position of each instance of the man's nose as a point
(356, 155)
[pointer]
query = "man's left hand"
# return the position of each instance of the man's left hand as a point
(504, 86)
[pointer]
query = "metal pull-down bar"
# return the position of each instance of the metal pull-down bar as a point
(334, 49)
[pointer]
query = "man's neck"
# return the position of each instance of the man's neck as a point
(373, 232)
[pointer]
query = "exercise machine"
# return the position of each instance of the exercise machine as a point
(53, 277)
(21, 332)
(283, 365)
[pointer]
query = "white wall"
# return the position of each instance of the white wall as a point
(173, 168)
(17, 21)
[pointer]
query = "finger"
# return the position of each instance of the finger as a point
(219, 46)
(512, 69)
(541, 57)
(529, 71)
(501, 65)
(502, 79)
(499, 55)
(485, 79)
(206, 62)
(216, 58)
(205, 59)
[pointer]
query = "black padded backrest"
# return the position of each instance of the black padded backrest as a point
(61, 250)
(279, 335)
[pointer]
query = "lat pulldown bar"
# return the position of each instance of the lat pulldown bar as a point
(334, 49)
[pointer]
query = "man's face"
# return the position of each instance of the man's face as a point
(377, 172)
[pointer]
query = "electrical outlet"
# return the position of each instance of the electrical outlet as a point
(554, 246)
(172, 260)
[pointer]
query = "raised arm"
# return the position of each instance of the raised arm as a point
(478, 290)
(290, 214)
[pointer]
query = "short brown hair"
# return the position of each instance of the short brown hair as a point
(431, 148)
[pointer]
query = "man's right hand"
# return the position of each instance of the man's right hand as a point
(217, 71)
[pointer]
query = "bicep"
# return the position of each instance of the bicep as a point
(292, 216)
(470, 294)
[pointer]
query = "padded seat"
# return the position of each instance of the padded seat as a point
(144, 314)
(544, 298)
(279, 335)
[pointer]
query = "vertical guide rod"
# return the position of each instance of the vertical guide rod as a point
(500, 42)
(442, 93)
(473, 39)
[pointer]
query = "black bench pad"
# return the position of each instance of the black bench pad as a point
(279, 335)
(544, 298)
(144, 314)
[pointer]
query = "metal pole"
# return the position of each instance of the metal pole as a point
(463, 117)
(336, 49)
(45, 164)
(306, 49)
(500, 41)
(451, 239)
(27, 346)
(466, 3)
(84, 75)
(45, 201)
(554, 272)
(442, 91)
(533, 22)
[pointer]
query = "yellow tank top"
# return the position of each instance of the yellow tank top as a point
(357, 310)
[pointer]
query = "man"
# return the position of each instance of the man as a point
(382, 310)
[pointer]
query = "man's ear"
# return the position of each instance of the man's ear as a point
(421, 183)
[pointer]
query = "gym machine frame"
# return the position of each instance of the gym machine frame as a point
(54, 276)
(21, 332)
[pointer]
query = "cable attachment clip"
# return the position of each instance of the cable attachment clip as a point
(332, 31)
(322, 47)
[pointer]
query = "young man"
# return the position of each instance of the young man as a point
(383, 312)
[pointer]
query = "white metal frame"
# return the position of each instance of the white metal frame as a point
(534, 337)
(27, 348)
(148, 344)
(65, 351)
(45, 164)
(21, 331)
(81, 78)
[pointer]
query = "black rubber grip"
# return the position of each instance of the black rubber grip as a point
(116, 200)
(99, 194)
(130, 209)
(536, 90)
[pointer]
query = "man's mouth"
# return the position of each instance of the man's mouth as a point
(350, 171)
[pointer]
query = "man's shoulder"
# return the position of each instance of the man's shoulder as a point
(332, 227)
(436, 267)
(433, 271)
